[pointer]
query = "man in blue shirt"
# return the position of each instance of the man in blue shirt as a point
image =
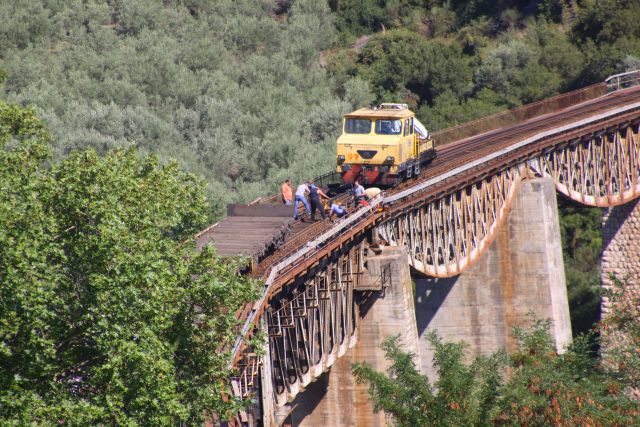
(301, 197)
(314, 196)
(338, 210)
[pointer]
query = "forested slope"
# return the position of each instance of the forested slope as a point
(232, 89)
(245, 93)
(456, 60)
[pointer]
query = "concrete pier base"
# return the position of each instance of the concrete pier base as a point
(522, 271)
(335, 399)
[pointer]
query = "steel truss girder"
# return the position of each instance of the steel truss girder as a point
(446, 235)
(598, 170)
(314, 321)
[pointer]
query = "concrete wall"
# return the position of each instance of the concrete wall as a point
(335, 399)
(522, 270)
(621, 246)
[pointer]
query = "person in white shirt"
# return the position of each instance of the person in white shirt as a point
(301, 197)
(358, 191)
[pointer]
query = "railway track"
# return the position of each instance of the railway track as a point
(450, 157)
(462, 152)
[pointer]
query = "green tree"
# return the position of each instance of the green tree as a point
(407, 66)
(581, 233)
(462, 395)
(107, 313)
(534, 386)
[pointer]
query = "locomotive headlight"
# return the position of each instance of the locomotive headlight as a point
(390, 159)
(341, 158)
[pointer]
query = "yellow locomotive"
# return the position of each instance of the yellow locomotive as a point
(382, 145)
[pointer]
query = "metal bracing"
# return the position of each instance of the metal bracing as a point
(314, 322)
(446, 235)
(598, 170)
(312, 319)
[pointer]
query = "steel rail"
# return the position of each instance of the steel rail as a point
(502, 139)
(539, 136)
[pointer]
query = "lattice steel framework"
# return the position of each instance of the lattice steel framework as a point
(599, 170)
(444, 236)
(313, 321)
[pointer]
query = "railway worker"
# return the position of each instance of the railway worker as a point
(372, 192)
(358, 193)
(301, 197)
(286, 192)
(337, 210)
(314, 196)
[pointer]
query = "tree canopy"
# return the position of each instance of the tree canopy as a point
(534, 386)
(107, 313)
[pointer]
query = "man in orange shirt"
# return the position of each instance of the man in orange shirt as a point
(286, 192)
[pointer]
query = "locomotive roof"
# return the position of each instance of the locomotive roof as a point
(381, 113)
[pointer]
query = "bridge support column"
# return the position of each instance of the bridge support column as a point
(335, 399)
(620, 258)
(522, 271)
(620, 246)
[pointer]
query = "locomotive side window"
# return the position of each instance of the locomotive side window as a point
(408, 127)
(362, 126)
(388, 127)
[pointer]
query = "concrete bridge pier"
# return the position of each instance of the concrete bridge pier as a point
(522, 271)
(335, 399)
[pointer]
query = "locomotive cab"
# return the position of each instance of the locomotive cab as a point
(382, 145)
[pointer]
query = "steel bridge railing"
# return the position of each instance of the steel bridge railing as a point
(623, 80)
(517, 115)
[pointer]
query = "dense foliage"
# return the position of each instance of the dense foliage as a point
(232, 89)
(243, 93)
(455, 61)
(107, 314)
(534, 386)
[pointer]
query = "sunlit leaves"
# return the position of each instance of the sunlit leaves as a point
(107, 313)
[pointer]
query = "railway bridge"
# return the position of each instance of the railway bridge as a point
(324, 281)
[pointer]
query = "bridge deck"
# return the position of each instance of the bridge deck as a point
(462, 166)
(457, 153)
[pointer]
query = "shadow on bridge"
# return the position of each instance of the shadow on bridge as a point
(430, 293)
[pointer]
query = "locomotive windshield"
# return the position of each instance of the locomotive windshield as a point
(388, 127)
(362, 126)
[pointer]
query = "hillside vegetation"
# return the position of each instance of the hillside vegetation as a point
(246, 93)
(455, 61)
(107, 313)
(232, 89)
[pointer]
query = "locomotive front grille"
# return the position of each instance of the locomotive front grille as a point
(367, 154)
